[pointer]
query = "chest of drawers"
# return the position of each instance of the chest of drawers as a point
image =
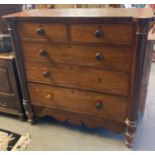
(85, 66)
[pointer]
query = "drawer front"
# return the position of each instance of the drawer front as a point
(78, 77)
(93, 104)
(9, 98)
(102, 33)
(8, 102)
(49, 31)
(110, 58)
(5, 86)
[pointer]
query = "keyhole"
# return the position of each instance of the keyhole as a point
(99, 80)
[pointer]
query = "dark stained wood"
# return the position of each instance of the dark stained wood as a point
(139, 56)
(9, 110)
(68, 68)
(10, 93)
(146, 70)
(4, 81)
(8, 102)
(76, 77)
(7, 9)
(21, 71)
(145, 79)
(81, 102)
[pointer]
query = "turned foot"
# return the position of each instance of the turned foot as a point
(30, 116)
(29, 111)
(130, 132)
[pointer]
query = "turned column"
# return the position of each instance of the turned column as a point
(140, 44)
(20, 68)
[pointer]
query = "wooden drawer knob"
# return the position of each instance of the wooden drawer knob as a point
(45, 74)
(99, 33)
(99, 56)
(99, 105)
(40, 31)
(43, 53)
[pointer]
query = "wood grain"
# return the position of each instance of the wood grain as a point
(52, 32)
(71, 80)
(4, 81)
(91, 122)
(10, 93)
(112, 33)
(116, 58)
(139, 13)
(81, 102)
(79, 77)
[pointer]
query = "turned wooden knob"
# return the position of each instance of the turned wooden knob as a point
(99, 105)
(45, 74)
(99, 56)
(40, 31)
(43, 53)
(99, 33)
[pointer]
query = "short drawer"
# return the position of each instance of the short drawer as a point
(109, 58)
(49, 31)
(81, 102)
(102, 33)
(78, 77)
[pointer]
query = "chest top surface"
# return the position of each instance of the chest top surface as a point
(140, 13)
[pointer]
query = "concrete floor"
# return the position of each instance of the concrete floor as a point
(49, 134)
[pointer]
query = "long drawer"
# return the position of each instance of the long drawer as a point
(78, 77)
(102, 33)
(110, 58)
(93, 104)
(49, 31)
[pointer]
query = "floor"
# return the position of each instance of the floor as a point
(49, 134)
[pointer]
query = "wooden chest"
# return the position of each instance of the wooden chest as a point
(85, 66)
(10, 92)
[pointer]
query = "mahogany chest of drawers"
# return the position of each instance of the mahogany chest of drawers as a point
(85, 66)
